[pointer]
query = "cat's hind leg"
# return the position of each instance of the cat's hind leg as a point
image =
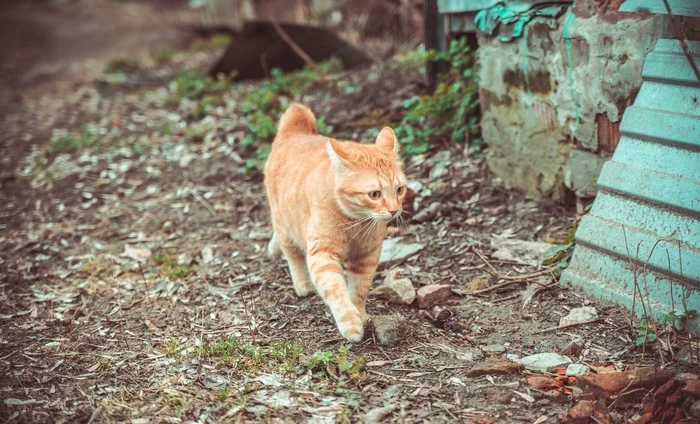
(273, 248)
(297, 269)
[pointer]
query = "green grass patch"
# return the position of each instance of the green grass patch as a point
(282, 356)
(65, 142)
(170, 267)
(349, 368)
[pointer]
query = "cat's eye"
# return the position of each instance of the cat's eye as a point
(376, 194)
(400, 190)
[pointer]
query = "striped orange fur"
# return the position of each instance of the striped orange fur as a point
(330, 203)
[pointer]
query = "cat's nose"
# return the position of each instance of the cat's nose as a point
(393, 213)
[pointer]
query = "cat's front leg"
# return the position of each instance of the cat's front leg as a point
(327, 275)
(360, 273)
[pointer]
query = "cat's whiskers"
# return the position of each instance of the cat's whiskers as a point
(356, 222)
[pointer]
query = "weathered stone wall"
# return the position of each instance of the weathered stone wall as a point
(553, 98)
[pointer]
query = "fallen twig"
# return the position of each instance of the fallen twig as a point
(287, 39)
(547, 330)
(498, 275)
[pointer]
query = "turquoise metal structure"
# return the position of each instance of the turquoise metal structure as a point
(640, 244)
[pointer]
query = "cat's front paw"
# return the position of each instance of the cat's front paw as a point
(351, 327)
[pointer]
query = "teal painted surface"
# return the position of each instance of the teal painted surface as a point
(460, 6)
(647, 212)
(515, 16)
(678, 7)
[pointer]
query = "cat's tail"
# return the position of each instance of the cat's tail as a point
(297, 119)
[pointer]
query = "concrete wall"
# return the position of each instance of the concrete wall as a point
(553, 98)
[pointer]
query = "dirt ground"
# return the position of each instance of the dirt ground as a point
(135, 287)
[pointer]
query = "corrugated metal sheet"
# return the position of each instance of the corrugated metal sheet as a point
(678, 7)
(647, 212)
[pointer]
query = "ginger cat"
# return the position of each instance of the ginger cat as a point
(330, 204)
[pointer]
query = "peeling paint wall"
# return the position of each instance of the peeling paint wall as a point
(553, 98)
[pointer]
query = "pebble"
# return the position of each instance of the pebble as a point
(578, 315)
(544, 362)
(574, 370)
(396, 290)
(433, 293)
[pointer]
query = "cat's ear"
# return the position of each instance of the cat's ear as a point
(336, 154)
(386, 140)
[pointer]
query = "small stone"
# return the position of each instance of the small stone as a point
(477, 284)
(578, 315)
(494, 366)
(500, 396)
(396, 290)
(571, 350)
(396, 250)
(575, 370)
(582, 410)
(432, 294)
(470, 221)
(376, 415)
(494, 349)
(388, 329)
(544, 362)
(429, 213)
(695, 409)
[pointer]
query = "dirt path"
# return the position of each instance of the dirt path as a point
(134, 284)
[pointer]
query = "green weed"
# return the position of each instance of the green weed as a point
(63, 142)
(451, 112)
(351, 369)
(263, 105)
(223, 393)
(193, 84)
(170, 267)
(172, 347)
(121, 66)
(215, 42)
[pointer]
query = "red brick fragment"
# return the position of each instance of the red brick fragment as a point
(669, 387)
(582, 410)
(674, 399)
(692, 388)
(494, 366)
(612, 383)
(431, 294)
(543, 383)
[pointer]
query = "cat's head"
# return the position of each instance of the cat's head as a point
(369, 180)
